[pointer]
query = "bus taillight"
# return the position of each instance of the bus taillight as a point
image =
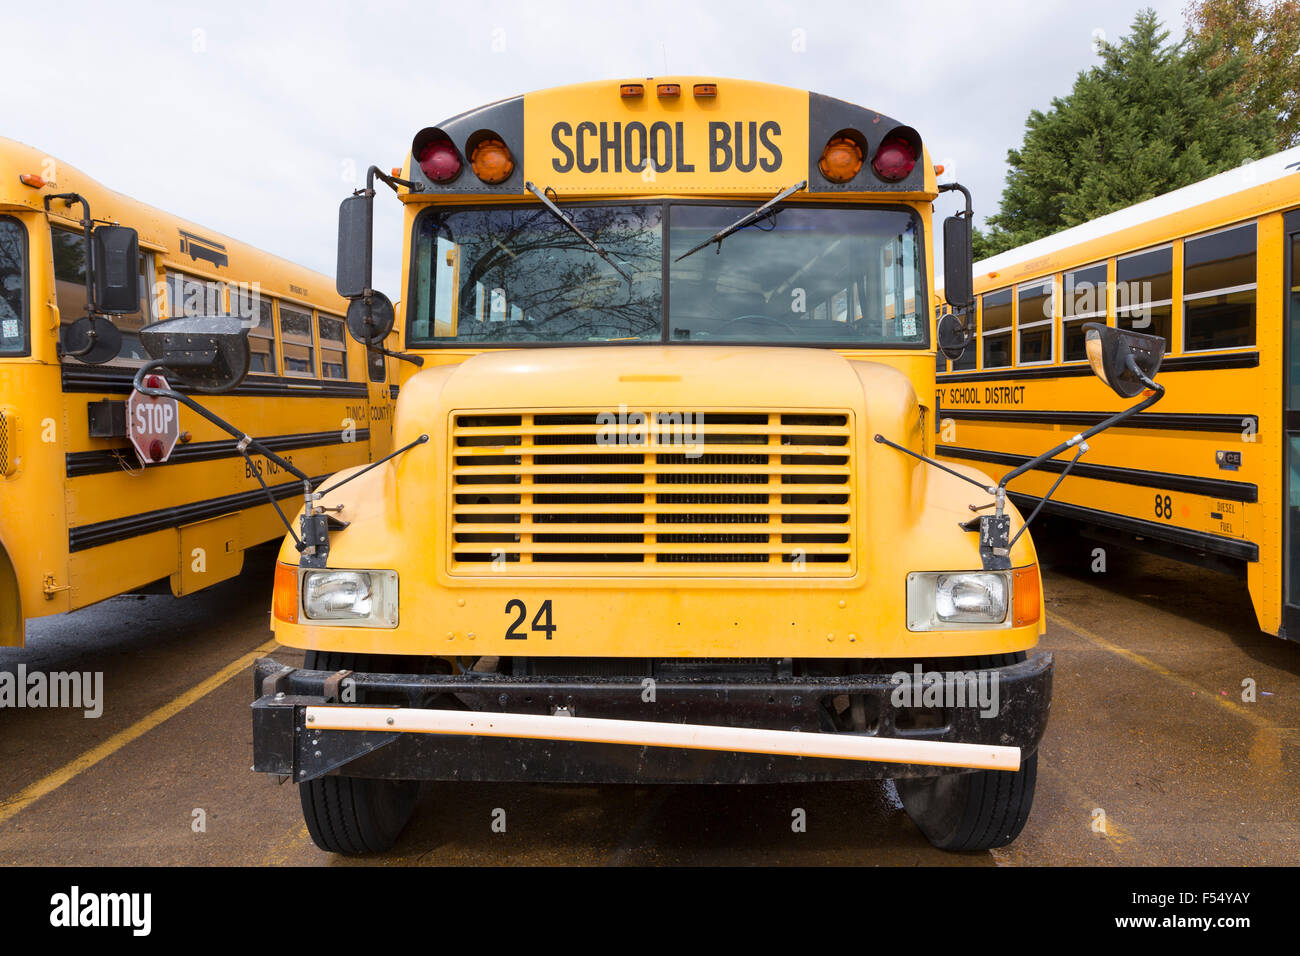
(895, 157)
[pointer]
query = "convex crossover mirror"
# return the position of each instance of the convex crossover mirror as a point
(208, 353)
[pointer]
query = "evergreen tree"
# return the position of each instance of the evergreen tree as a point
(1150, 118)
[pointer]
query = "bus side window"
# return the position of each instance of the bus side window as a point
(1219, 290)
(255, 311)
(375, 361)
(298, 342)
(1144, 288)
(995, 338)
(1083, 299)
(333, 347)
(70, 291)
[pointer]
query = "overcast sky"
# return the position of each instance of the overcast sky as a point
(257, 119)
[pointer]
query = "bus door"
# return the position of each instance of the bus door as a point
(1291, 478)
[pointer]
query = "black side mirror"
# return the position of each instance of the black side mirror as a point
(92, 339)
(953, 336)
(372, 328)
(958, 263)
(208, 353)
(356, 225)
(115, 258)
(1126, 361)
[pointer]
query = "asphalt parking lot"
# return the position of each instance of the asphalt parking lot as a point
(1151, 756)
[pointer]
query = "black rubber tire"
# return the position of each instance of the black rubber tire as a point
(356, 815)
(975, 811)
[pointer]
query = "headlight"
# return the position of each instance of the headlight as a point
(360, 598)
(957, 600)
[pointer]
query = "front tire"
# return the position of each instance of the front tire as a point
(974, 811)
(355, 815)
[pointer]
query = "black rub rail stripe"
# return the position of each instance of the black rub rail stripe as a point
(1183, 363)
(117, 529)
(1231, 490)
(80, 463)
(89, 379)
(1176, 421)
(1195, 540)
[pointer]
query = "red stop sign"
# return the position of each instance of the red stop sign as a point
(153, 424)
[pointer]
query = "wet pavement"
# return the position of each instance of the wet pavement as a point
(1151, 755)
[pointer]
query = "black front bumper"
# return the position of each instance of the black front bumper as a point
(282, 743)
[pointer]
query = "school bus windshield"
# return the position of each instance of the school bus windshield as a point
(803, 275)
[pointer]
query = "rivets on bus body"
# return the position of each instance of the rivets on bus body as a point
(389, 722)
(830, 637)
(471, 635)
(843, 603)
(311, 718)
(853, 638)
(451, 636)
(460, 602)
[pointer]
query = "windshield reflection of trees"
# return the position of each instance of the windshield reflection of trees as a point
(562, 289)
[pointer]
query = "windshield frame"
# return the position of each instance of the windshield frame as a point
(667, 204)
(24, 319)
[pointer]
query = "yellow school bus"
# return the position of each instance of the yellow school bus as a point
(83, 515)
(1212, 478)
(661, 506)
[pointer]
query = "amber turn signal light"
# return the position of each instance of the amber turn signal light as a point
(31, 179)
(491, 161)
(1024, 595)
(706, 89)
(284, 602)
(631, 89)
(841, 159)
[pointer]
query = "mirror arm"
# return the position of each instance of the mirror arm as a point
(1158, 392)
(87, 224)
(416, 360)
(949, 187)
(244, 441)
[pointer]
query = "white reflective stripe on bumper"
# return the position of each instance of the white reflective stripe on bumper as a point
(644, 733)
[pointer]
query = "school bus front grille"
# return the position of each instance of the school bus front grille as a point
(660, 493)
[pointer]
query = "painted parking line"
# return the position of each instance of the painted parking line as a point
(1238, 710)
(20, 801)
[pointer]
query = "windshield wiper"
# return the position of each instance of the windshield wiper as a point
(560, 215)
(746, 220)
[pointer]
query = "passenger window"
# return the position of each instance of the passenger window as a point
(1144, 288)
(13, 287)
(1083, 299)
(69, 249)
(1219, 290)
(187, 295)
(299, 345)
(995, 335)
(333, 348)
(1034, 324)
(256, 312)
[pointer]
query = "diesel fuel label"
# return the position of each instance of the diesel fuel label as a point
(982, 395)
(596, 141)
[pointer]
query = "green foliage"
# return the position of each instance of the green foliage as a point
(1266, 37)
(1150, 118)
